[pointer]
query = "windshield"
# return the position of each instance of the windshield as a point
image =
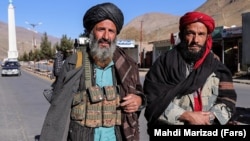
(9, 64)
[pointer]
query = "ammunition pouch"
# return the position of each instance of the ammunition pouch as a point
(79, 106)
(95, 94)
(111, 92)
(97, 107)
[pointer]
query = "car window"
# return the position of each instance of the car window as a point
(9, 64)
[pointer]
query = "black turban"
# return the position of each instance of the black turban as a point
(102, 12)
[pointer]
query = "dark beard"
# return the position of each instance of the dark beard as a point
(190, 57)
(101, 56)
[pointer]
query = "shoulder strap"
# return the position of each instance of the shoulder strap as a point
(79, 59)
(86, 78)
(88, 74)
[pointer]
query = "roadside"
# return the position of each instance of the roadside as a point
(241, 77)
(39, 73)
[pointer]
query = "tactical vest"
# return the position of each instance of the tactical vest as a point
(95, 106)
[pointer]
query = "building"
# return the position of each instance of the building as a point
(231, 44)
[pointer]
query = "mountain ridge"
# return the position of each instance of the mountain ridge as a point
(24, 39)
(145, 28)
(224, 12)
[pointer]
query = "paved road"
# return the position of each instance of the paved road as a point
(23, 107)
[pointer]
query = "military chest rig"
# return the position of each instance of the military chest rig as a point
(95, 106)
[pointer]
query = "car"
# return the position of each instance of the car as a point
(11, 68)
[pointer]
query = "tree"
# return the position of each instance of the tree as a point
(46, 50)
(37, 55)
(25, 56)
(66, 45)
(31, 56)
(53, 51)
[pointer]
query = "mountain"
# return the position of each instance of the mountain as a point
(145, 28)
(158, 26)
(226, 12)
(150, 26)
(24, 40)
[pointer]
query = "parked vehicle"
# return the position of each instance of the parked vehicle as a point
(11, 68)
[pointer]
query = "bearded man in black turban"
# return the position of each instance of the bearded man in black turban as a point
(101, 98)
(102, 12)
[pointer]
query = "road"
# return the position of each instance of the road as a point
(23, 106)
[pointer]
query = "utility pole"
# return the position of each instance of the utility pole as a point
(33, 25)
(142, 57)
(141, 34)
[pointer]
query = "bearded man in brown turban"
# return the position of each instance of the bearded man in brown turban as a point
(101, 99)
(188, 85)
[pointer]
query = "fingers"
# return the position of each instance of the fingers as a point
(200, 118)
(131, 103)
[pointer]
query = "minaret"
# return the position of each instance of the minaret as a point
(12, 53)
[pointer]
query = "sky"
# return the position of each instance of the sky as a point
(64, 17)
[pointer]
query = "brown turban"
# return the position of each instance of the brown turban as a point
(102, 12)
(208, 21)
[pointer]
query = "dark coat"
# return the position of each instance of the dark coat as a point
(167, 78)
(56, 124)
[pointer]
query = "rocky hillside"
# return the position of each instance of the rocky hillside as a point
(24, 39)
(152, 26)
(226, 12)
(158, 26)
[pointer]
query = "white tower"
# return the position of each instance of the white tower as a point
(12, 53)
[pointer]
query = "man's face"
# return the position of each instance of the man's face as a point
(195, 36)
(105, 33)
(193, 42)
(103, 42)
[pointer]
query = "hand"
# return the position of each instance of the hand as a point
(196, 118)
(131, 103)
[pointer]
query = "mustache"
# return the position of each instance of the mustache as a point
(195, 44)
(104, 41)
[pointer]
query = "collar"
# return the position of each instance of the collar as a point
(108, 66)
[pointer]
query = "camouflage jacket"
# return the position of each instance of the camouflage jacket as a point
(183, 103)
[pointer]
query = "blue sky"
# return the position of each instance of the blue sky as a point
(64, 17)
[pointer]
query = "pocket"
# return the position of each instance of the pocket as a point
(79, 106)
(118, 111)
(95, 94)
(110, 92)
(109, 113)
(215, 93)
(94, 114)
